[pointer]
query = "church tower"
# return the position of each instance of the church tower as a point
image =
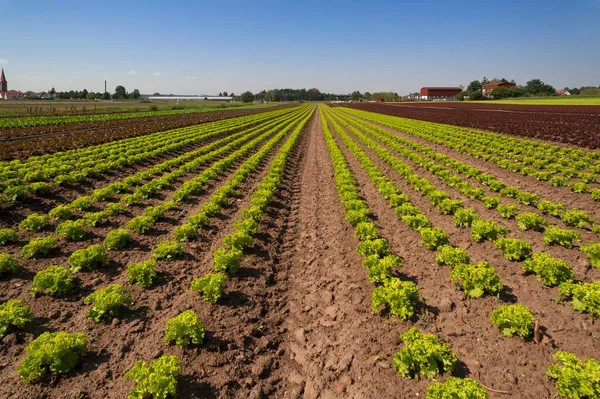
(3, 83)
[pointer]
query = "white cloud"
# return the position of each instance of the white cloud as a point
(132, 73)
(190, 78)
(156, 74)
(3, 61)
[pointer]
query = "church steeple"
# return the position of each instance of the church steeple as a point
(3, 82)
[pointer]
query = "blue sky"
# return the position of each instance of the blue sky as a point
(204, 47)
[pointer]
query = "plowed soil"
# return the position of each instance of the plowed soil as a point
(576, 125)
(296, 320)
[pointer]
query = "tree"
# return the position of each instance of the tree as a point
(485, 80)
(537, 87)
(500, 92)
(225, 93)
(476, 96)
(84, 94)
(220, 94)
(120, 93)
(474, 86)
(52, 91)
(247, 97)
(135, 94)
(356, 96)
(367, 96)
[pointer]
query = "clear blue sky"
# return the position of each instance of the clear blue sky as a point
(194, 47)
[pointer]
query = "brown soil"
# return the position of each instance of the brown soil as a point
(567, 124)
(296, 320)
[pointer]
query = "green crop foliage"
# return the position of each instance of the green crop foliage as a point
(82, 203)
(238, 239)
(575, 378)
(168, 250)
(185, 232)
(158, 381)
(449, 207)
(378, 246)
(72, 230)
(508, 211)
(580, 187)
(593, 253)
(143, 273)
(184, 329)
(486, 230)
(550, 271)
(585, 297)
(107, 302)
(14, 314)
(210, 286)
(227, 260)
(399, 297)
(114, 209)
(451, 256)
(380, 269)
(576, 218)
(514, 249)
(53, 280)
(423, 354)
(34, 222)
(551, 208)
(417, 222)
(513, 320)
(457, 388)
(433, 238)
(52, 352)
(564, 237)
(366, 231)
(89, 258)
(118, 239)
(491, 202)
(93, 219)
(465, 217)
(477, 280)
(527, 198)
(141, 224)
(63, 212)
(39, 247)
(8, 236)
(8, 265)
(531, 221)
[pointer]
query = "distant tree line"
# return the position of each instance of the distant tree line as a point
(119, 94)
(534, 87)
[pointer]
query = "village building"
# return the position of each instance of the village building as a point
(488, 87)
(6, 94)
(440, 93)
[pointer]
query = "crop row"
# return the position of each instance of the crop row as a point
(549, 163)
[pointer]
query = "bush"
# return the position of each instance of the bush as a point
(423, 354)
(159, 380)
(564, 237)
(7, 236)
(140, 224)
(168, 250)
(72, 230)
(400, 297)
(592, 251)
(550, 271)
(185, 232)
(433, 238)
(508, 211)
(486, 230)
(184, 329)
(477, 280)
(143, 273)
(8, 264)
(117, 239)
(88, 258)
(457, 388)
(465, 217)
(513, 320)
(35, 222)
(585, 296)
(107, 302)
(514, 249)
(38, 247)
(210, 286)
(56, 352)
(451, 256)
(531, 221)
(14, 314)
(575, 379)
(53, 281)
(380, 269)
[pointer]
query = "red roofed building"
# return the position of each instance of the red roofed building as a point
(6, 94)
(488, 87)
(3, 83)
(439, 93)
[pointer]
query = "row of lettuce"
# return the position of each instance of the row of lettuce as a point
(424, 354)
(59, 352)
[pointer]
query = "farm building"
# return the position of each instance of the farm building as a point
(439, 93)
(488, 87)
(6, 94)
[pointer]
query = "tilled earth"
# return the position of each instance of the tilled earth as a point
(296, 320)
(576, 125)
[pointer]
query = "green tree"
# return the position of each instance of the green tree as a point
(367, 96)
(247, 97)
(135, 94)
(474, 86)
(84, 94)
(120, 92)
(356, 95)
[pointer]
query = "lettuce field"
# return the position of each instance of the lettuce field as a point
(307, 251)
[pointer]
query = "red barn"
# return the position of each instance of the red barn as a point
(439, 93)
(488, 87)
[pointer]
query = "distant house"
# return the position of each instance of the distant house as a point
(439, 93)
(47, 96)
(411, 97)
(488, 87)
(562, 93)
(11, 95)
